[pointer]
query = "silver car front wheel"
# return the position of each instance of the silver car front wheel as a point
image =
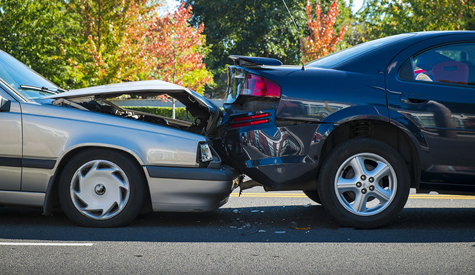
(102, 188)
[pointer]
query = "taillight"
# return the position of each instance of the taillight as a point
(250, 120)
(244, 118)
(256, 85)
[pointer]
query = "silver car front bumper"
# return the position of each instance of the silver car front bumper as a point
(175, 189)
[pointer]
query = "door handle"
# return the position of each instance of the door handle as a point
(413, 98)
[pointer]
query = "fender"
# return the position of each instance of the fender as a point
(359, 112)
(352, 113)
(408, 126)
(414, 134)
(52, 183)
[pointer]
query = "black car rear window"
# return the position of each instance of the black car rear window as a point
(340, 57)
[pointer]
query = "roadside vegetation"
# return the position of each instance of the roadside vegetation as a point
(81, 43)
(180, 112)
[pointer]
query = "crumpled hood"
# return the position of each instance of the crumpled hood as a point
(135, 87)
(195, 102)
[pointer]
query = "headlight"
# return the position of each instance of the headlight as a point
(205, 153)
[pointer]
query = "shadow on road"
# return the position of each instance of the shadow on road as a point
(304, 224)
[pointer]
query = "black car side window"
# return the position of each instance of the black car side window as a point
(407, 71)
(453, 64)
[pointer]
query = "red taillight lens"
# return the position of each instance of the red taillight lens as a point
(249, 123)
(250, 120)
(256, 85)
(244, 118)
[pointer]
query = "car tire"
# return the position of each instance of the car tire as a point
(102, 188)
(313, 195)
(364, 183)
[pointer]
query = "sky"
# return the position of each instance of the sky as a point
(356, 5)
(170, 5)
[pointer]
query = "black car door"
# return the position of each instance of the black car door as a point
(431, 90)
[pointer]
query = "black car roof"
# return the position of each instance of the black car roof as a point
(376, 59)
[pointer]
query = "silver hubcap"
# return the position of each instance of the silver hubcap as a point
(365, 184)
(100, 189)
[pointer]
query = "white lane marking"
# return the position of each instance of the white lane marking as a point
(48, 244)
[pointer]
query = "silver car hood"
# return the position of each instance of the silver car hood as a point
(142, 87)
(136, 87)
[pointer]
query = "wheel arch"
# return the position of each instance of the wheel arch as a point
(379, 130)
(51, 196)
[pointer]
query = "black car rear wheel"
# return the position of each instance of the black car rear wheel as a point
(364, 183)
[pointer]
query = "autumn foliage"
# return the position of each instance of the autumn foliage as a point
(114, 33)
(128, 41)
(322, 39)
(177, 50)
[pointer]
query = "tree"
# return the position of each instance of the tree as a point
(254, 28)
(77, 43)
(80, 43)
(389, 17)
(177, 50)
(468, 17)
(113, 34)
(322, 39)
(43, 34)
(259, 28)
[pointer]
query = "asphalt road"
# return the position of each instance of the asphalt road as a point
(258, 233)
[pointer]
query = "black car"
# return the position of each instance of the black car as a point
(357, 129)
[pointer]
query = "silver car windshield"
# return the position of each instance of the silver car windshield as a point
(23, 79)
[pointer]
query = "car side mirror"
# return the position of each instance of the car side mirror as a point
(4, 104)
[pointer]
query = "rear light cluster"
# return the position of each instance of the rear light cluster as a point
(250, 120)
(255, 85)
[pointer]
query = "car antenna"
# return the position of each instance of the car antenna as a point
(300, 35)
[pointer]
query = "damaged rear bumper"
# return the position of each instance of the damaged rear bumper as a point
(278, 157)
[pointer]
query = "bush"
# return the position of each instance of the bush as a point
(180, 113)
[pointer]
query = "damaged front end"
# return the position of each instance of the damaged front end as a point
(203, 115)
(184, 171)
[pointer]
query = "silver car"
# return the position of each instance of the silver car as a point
(104, 164)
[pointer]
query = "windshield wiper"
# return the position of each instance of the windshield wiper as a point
(42, 89)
